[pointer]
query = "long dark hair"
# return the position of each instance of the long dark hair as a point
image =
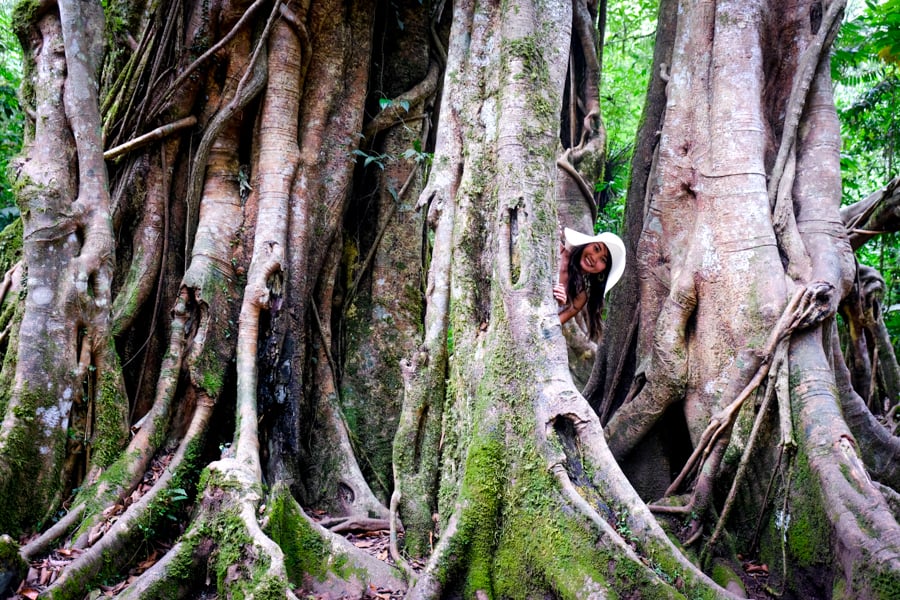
(593, 284)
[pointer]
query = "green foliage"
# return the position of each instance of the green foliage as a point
(627, 61)
(866, 71)
(11, 116)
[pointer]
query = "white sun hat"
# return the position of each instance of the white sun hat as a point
(613, 243)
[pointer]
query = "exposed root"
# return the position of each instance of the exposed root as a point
(143, 586)
(41, 543)
(878, 446)
(651, 540)
(136, 458)
(860, 517)
(353, 523)
(108, 548)
(427, 586)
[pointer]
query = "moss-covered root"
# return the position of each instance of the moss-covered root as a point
(318, 560)
(613, 488)
(12, 566)
(224, 544)
(869, 550)
(469, 540)
(40, 544)
(124, 474)
(138, 518)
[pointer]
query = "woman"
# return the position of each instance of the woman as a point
(589, 266)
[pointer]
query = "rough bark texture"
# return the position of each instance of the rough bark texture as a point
(304, 251)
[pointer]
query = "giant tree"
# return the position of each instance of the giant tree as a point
(280, 258)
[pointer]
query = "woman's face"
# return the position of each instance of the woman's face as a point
(594, 258)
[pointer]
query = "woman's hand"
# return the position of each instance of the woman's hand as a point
(559, 292)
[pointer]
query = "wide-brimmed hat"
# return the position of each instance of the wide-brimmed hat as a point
(613, 243)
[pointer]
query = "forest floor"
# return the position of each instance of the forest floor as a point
(44, 570)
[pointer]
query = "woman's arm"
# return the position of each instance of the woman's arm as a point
(571, 310)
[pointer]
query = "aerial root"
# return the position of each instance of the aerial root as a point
(399, 109)
(159, 133)
(781, 364)
(807, 307)
(182, 77)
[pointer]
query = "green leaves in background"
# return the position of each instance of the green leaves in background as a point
(11, 116)
(866, 71)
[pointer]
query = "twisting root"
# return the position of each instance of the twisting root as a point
(141, 449)
(804, 309)
(802, 81)
(780, 366)
(251, 84)
(395, 526)
(400, 108)
(564, 163)
(611, 536)
(176, 85)
(809, 306)
(125, 529)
